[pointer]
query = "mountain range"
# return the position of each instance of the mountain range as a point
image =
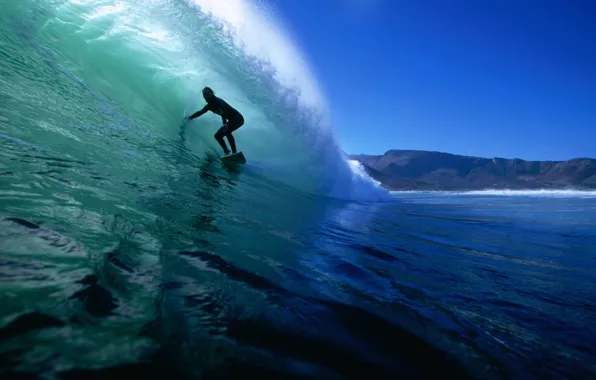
(425, 170)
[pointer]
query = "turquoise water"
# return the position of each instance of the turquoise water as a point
(129, 250)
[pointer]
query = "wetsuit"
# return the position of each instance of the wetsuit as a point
(229, 115)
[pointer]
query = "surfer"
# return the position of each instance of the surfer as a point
(232, 119)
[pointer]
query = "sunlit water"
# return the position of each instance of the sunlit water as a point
(129, 250)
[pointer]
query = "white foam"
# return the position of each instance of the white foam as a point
(538, 193)
(358, 170)
(546, 193)
(363, 186)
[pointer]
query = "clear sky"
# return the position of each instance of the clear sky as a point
(506, 78)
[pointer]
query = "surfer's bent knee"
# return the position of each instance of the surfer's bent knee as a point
(219, 134)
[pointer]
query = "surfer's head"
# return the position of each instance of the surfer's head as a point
(208, 93)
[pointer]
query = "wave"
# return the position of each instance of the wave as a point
(146, 63)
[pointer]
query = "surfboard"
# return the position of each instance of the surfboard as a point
(237, 158)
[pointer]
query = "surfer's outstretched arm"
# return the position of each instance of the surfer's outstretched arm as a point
(199, 113)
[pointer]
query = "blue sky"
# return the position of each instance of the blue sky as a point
(506, 78)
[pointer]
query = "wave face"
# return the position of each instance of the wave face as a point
(121, 234)
(116, 78)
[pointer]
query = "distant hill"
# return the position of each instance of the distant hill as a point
(423, 170)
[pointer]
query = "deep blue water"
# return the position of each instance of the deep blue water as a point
(429, 285)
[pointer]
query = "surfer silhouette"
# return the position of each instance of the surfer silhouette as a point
(232, 119)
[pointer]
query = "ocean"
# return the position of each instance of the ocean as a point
(127, 249)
